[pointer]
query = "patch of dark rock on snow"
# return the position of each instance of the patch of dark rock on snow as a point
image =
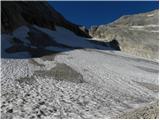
(16, 41)
(115, 44)
(27, 80)
(18, 46)
(42, 40)
(40, 52)
(34, 52)
(62, 72)
(38, 38)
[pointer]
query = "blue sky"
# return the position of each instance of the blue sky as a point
(100, 12)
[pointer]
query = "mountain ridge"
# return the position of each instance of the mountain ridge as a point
(137, 34)
(25, 13)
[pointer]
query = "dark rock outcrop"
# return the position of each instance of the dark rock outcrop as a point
(15, 14)
(114, 44)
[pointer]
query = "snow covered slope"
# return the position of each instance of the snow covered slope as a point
(75, 78)
(29, 40)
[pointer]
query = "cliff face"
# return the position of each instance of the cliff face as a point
(137, 34)
(15, 14)
(141, 19)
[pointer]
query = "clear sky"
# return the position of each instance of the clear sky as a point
(100, 12)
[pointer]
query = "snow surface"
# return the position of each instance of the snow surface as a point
(6, 42)
(21, 33)
(61, 35)
(66, 37)
(113, 82)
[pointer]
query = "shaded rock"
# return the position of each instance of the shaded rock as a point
(15, 14)
(62, 72)
(114, 44)
(39, 39)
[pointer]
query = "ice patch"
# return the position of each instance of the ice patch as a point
(21, 33)
(5, 41)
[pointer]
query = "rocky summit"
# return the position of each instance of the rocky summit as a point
(16, 14)
(52, 68)
(137, 34)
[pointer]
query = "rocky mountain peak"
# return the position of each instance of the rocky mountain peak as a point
(139, 19)
(137, 34)
(15, 14)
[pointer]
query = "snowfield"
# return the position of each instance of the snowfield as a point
(76, 83)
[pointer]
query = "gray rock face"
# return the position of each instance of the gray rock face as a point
(137, 34)
(15, 14)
